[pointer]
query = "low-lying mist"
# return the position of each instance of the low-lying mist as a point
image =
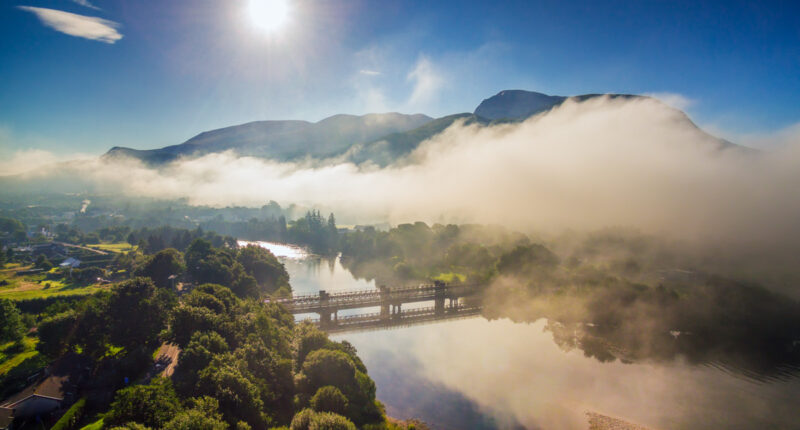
(583, 166)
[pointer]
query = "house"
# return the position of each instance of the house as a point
(70, 263)
(47, 395)
(50, 250)
(38, 399)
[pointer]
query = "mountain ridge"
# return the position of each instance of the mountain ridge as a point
(379, 139)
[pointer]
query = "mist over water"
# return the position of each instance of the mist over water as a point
(516, 374)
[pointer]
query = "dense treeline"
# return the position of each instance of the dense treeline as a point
(12, 231)
(157, 239)
(250, 271)
(311, 230)
(419, 252)
(316, 232)
(269, 229)
(242, 363)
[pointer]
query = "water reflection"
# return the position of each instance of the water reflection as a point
(309, 273)
(500, 374)
(516, 374)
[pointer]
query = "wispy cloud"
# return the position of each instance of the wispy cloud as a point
(678, 101)
(369, 72)
(86, 3)
(427, 82)
(87, 27)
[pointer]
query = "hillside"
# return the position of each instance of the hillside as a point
(283, 140)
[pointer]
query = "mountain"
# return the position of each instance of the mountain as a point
(283, 140)
(381, 139)
(520, 104)
(516, 104)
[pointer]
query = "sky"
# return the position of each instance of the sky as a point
(81, 76)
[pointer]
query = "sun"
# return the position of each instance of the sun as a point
(268, 15)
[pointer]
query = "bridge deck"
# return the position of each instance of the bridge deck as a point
(370, 298)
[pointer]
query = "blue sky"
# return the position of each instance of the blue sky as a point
(150, 73)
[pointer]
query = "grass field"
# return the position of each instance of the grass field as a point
(97, 425)
(12, 356)
(113, 247)
(450, 277)
(16, 286)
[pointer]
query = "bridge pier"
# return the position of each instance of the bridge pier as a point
(325, 313)
(324, 318)
(438, 297)
(384, 295)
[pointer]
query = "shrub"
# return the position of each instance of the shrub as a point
(329, 399)
(71, 418)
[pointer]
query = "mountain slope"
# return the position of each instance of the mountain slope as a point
(389, 148)
(283, 140)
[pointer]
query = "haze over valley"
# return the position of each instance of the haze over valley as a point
(293, 214)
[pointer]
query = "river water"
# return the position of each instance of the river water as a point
(480, 374)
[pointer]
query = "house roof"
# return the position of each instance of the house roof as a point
(62, 377)
(70, 262)
(52, 387)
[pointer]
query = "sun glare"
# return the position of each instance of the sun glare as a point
(268, 15)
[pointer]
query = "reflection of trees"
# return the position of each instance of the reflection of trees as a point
(740, 327)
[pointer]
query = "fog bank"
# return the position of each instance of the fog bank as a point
(589, 165)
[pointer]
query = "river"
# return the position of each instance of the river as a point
(480, 374)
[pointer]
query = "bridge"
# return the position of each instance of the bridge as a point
(446, 298)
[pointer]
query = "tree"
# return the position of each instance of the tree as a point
(206, 264)
(186, 320)
(152, 405)
(307, 419)
(14, 229)
(11, 326)
(239, 398)
(204, 415)
(197, 250)
(196, 356)
(308, 339)
(137, 312)
(525, 258)
(273, 377)
(162, 265)
(329, 399)
(258, 262)
(326, 367)
(43, 263)
(55, 333)
(329, 421)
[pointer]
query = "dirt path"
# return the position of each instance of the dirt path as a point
(166, 360)
(603, 422)
(69, 245)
